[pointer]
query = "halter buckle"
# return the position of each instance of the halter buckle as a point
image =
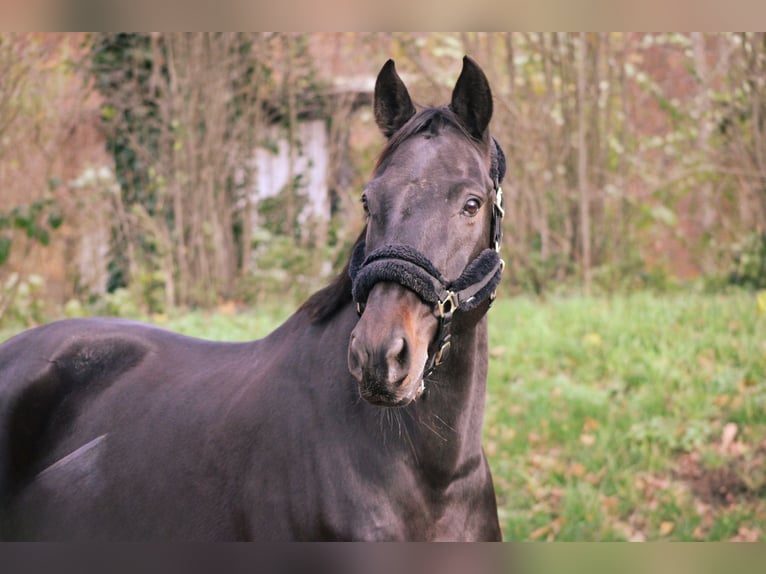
(448, 305)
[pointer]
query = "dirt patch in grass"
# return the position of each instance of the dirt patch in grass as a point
(719, 486)
(734, 472)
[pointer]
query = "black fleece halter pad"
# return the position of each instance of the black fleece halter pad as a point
(411, 269)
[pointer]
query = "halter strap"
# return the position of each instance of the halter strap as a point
(407, 266)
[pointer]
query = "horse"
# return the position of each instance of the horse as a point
(359, 418)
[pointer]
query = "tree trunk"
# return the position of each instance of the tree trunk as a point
(582, 162)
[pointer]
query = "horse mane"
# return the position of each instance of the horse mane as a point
(325, 303)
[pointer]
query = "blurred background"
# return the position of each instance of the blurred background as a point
(194, 169)
(210, 182)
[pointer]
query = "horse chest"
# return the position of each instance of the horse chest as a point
(400, 503)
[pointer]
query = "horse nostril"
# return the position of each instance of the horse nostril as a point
(356, 358)
(397, 359)
(399, 351)
(382, 362)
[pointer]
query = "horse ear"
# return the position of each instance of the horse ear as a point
(472, 99)
(393, 106)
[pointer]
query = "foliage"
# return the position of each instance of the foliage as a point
(36, 220)
(22, 302)
(283, 269)
(670, 168)
(749, 262)
(271, 211)
(671, 165)
(33, 82)
(184, 115)
(30, 224)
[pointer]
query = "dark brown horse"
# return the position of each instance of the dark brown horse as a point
(116, 430)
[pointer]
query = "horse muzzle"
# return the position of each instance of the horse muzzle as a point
(389, 346)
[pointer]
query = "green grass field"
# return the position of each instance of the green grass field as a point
(614, 419)
(638, 417)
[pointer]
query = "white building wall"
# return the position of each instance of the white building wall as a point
(311, 161)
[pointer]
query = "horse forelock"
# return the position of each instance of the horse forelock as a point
(426, 120)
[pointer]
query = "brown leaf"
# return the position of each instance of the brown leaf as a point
(589, 425)
(490, 447)
(746, 534)
(722, 400)
(508, 434)
(609, 503)
(728, 435)
(538, 533)
(587, 439)
(576, 469)
(666, 527)
(594, 478)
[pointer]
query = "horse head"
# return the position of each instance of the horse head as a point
(434, 210)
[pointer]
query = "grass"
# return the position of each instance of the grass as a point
(604, 414)
(611, 418)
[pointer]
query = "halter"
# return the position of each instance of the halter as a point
(407, 266)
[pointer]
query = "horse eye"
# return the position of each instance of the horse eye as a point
(472, 207)
(364, 203)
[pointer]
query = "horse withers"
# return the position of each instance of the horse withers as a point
(116, 430)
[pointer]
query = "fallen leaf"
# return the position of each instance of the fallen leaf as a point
(595, 478)
(722, 400)
(746, 534)
(576, 469)
(666, 527)
(609, 503)
(508, 434)
(496, 352)
(538, 533)
(587, 439)
(592, 340)
(533, 437)
(490, 448)
(706, 362)
(728, 435)
(589, 425)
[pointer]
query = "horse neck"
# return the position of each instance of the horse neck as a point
(446, 424)
(442, 430)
